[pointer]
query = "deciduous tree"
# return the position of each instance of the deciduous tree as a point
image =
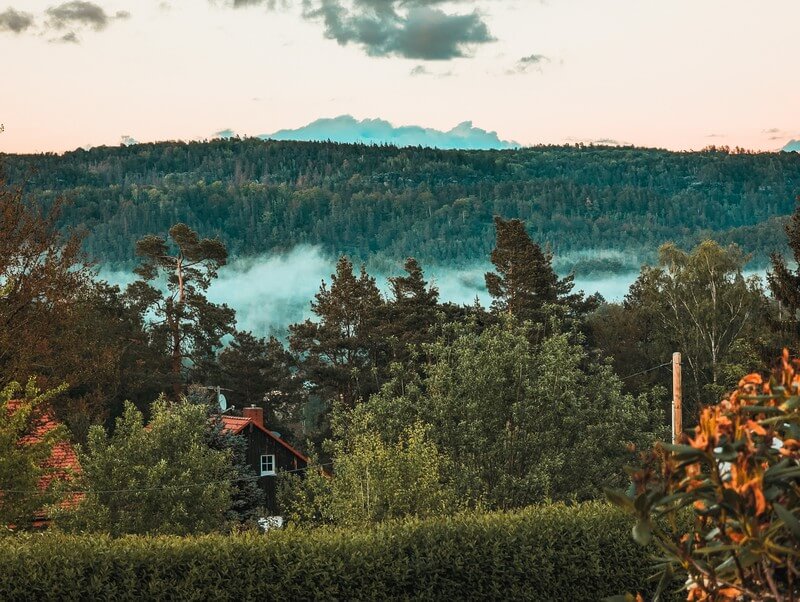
(162, 477)
(27, 485)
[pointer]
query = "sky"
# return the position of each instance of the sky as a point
(682, 74)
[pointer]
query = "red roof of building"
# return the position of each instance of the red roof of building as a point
(63, 461)
(236, 424)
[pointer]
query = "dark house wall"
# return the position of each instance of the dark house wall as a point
(258, 444)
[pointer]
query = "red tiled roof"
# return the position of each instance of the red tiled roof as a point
(236, 424)
(63, 461)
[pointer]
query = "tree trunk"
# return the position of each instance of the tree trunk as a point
(176, 356)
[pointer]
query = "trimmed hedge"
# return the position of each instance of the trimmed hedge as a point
(557, 552)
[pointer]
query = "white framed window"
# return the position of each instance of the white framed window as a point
(267, 465)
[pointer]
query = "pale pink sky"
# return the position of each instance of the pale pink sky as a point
(680, 74)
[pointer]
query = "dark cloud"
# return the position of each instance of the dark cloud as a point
(408, 28)
(423, 70)
(772, 131)
(529, 63)
(415, 29)
(81, 13)
(15, 21)
(68, 38)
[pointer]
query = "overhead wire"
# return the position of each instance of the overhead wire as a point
(149, 489)
(646, 371)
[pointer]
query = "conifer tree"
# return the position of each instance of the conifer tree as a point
(257, 371)
(341, 353)
(411, 310)
(190, 327)
(247, 498)
(784, 283)
(524, 280)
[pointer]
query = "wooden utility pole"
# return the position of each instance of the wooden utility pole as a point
(677, 398)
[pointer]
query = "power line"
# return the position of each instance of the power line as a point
(148, 489)
(646, 371)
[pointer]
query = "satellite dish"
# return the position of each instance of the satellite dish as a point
(223, 403)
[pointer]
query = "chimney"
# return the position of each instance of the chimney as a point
(255, 414)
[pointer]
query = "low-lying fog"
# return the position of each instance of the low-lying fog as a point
(271, 292)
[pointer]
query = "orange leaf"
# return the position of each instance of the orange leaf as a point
(751, 379)
(756, 428)
(761, 502)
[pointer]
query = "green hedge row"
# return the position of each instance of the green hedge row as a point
(557, 552)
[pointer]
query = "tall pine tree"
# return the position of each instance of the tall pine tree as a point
(341, 353)
(524, 281)
(411, 311)
(784, 282)
(189, 326)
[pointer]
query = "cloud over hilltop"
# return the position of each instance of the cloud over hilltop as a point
(348, 129)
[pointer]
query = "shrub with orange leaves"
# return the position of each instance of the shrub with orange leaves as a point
(722, 506)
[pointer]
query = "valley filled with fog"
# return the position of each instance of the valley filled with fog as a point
(270, 292)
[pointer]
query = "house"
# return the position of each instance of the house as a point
(61, 465)
(267, 453)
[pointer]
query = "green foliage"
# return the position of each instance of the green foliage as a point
(410, 312)
(784, 282)
(188, 326)
(257, 371)
(340, 352)
(700, 303)
(304, 500)
(266, 196)
(577, 553)
(159, 478)
(730, 494)
(518, 424)
(26, 482)
(247, 499)
(524, 281)
(373, 480)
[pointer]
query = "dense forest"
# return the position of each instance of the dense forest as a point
(385, 203)
(408, 406)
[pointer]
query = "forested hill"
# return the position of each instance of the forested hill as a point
(382, 201)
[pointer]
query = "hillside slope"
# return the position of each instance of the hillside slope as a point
(386, 202)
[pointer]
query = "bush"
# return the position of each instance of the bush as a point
(554, 552)
(738, 479)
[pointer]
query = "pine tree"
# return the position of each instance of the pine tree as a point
(341, 353)
(784, 283)
(411, 311)
(257, 371)
(247, 498)
(524, 280)
(190, 327)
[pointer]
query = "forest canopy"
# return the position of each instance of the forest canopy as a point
(383, 202)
